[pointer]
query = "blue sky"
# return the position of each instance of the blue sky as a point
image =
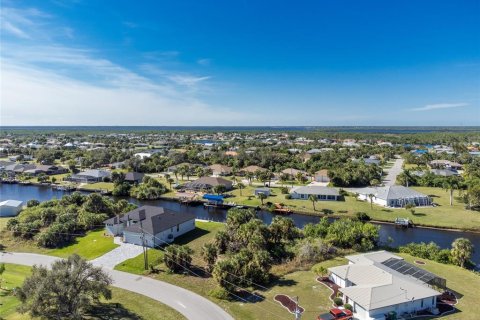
(79, 62)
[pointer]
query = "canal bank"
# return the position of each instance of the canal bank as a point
(388, 232)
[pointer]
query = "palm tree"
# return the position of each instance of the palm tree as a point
(175, 172)
(314, 199)
(262, 196)
(462, 250)
(408, 176)
(299, 177)
(170, 181)
(240, 186)
(371, 196)
(249, 176)
(451, 184)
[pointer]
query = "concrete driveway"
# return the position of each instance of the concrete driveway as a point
(393, 172)
(191, 305)
(121, 253)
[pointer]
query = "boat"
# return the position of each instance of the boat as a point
(404, 222)
(279, 208)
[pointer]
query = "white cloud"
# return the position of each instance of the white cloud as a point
(440, 106)
(204, 62)
(22, 23)
(187, 80)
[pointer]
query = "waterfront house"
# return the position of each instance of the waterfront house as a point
(207, 184)
(379, 283)
(321, 193)
(393, 196)
(156, 225)
(90, 176)
(445, 164)
(46, 169)
(262, 190)
(134, 177)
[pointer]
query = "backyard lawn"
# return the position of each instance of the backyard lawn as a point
(443, 215)
(123, 305)
(459, 280)
(91, 246)
(108, 186)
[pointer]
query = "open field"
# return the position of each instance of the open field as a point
(123, 305)
(108, 186)
(443, 215)
(91, 246)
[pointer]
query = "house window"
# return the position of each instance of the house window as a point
(178, 227)
(422, 304)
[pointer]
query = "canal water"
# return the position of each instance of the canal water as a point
(400, 236)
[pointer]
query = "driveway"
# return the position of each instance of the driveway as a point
(191, 305)
(393, 172)
(121, 253)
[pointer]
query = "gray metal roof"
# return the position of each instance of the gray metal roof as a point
(377, 285)
(317, 190)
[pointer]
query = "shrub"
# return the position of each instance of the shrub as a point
(32, 203)
(284, 190)
(219, 293)
(338, 302)
(288, 196)
(362, 216)
(348, 306)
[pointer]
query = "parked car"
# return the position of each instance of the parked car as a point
(337, 314)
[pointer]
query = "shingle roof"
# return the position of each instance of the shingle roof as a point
(157, 219)
(134, 176)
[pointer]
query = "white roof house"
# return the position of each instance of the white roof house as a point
(10, 208)
(393, 196)
(322, 193)
(377, 283)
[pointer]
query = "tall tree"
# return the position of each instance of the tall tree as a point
(262, 196)
(66, 291)
(450, 185)
(462, 250)
(240, 186)
(314, 199)
(371, 196)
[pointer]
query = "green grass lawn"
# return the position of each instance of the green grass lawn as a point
(98, 186)
(123, 305)
(459, 280)
(91, 246)
(443, 215)
(58, 177)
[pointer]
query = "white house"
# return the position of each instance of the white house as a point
(157, 225)
(10, 208)
(393, 196)
(378, 283)
(322, 193)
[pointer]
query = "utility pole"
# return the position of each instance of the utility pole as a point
(298, 314)
(141, 216)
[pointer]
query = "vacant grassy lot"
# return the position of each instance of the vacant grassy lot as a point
(313, 295)
(123, 305)
(443, 215)
(91, 246)
(108, 186)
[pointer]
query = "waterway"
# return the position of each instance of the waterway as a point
(400, 236)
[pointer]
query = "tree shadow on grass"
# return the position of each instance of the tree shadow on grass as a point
(190, 236)
(387, 210)
(112, 311)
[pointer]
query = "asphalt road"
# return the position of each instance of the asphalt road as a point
(190, 304)
(393, 172)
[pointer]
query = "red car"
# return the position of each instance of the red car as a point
(337, 314)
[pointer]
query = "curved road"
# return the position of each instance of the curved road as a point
(190, 304)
